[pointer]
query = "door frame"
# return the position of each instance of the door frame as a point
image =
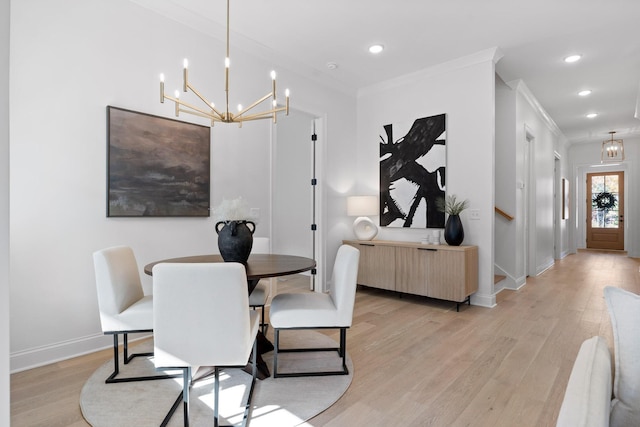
(529, 200)
(589, 209)
(557, 206)
(580, 238)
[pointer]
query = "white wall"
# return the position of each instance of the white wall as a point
(519, 113)
(69, 60)
(505, 230)
(464, 90)
(4, 212)
(548, 140)
(585, 158)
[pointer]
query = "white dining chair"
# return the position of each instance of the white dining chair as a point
(124, 309)
(313, 310)
(202, 318)
(260, 294)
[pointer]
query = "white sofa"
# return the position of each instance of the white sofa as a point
(590, 399)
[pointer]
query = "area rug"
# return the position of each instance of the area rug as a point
(278, 402)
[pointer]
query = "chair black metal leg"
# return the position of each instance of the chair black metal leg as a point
(276, 350)
(186, 385)
(216, 398)
(343, 349)
(342, 352)
(263, 325)
(127, 358)
(182, 397)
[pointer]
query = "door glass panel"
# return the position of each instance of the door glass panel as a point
(604, 201)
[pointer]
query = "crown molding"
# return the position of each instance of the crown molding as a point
(521, 87)
(492, 55)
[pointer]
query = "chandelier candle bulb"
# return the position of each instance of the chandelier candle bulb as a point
(273, 79)
(185, 75)
(162, 88)
(286, 94)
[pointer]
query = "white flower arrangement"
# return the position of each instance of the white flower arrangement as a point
(233, 210)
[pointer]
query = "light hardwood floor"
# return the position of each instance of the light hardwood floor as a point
(418, 362)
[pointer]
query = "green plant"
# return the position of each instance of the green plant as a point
(450, 205)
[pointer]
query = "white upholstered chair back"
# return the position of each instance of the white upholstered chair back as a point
(117, 281)
(343, 283)
(201, 315)
(260, 245)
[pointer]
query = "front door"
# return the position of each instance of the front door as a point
(605, 210)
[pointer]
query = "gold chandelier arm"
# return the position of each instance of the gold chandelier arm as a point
(258, 102)
(199, 114)
(193, 109)
(263, 115)
(205, 100)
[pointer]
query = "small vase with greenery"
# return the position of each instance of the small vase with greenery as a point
(451, 206)
(453, 231)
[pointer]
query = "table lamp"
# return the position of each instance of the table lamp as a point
(361, 206)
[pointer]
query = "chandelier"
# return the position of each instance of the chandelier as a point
(214, 114)
(612, 150)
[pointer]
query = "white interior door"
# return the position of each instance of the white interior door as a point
(292, 195)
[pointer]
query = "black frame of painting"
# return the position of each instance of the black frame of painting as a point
(400, 166)
(156, 166)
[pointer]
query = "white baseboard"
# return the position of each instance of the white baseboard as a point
(483, 300)
(544, 267)
(45, 355)
(514, 284)
(509, 282)
(565, 254)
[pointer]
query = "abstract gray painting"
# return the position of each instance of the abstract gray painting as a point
(156, 166)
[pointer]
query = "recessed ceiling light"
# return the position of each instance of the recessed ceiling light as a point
(332, 65)
(572, 58)
(592, 115)
(584, 92)
(376, 48)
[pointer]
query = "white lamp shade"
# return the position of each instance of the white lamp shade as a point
(362, 205)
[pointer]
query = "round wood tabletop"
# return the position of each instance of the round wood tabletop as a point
(259, 266)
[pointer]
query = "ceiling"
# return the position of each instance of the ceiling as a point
(534, 37)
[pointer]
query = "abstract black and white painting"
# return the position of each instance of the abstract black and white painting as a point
(412, 173)
(156, 166)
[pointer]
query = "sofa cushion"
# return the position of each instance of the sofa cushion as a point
(624, 309)
(587, 398)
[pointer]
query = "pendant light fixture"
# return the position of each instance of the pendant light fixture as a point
(612, 149)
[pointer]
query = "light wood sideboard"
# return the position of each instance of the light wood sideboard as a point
(435, 271)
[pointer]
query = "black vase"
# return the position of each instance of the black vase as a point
(235, 239)
(453, 231)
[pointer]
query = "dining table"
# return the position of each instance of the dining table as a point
(258, 266)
